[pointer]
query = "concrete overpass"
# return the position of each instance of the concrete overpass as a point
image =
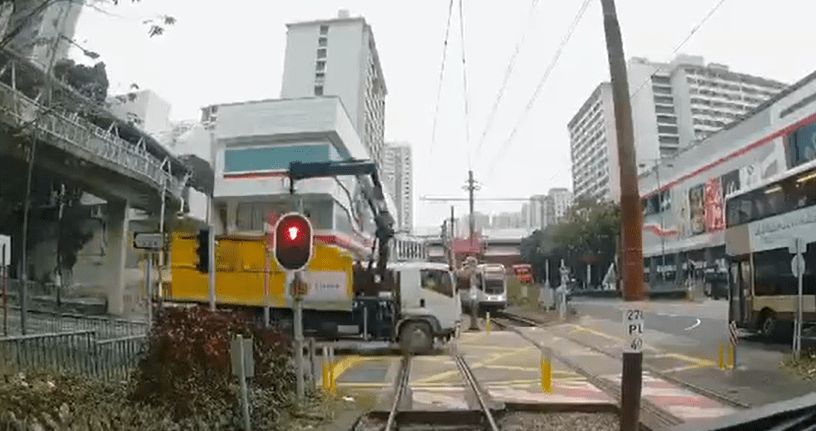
(81, 143)
(497, 246)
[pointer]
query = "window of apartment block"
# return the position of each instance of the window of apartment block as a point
(321, 53)
(322, 42)
(318, 90)
(324, 30)
(321, 66)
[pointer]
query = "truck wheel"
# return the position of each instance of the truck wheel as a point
(768, 326)
(416, 338)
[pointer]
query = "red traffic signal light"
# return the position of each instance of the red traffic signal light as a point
(293, 241)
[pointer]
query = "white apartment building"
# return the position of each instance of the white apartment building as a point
(593, 147)
(673, 106)
(398, 174)
(144, 109)
(560, 200)
(508, 220)
(338, 57)
(254, 143)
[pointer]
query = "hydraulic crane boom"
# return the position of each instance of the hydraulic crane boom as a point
(366, 173)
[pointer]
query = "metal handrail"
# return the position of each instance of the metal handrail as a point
(79, 133)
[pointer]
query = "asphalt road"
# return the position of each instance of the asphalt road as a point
(693, 331)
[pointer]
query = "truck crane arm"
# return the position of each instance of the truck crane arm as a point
(366, 173)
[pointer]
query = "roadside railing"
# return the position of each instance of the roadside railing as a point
(79, 134)
(73, 352)
(40, 321)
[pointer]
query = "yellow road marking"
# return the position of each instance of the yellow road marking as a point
(528, 369)
(347, 362)
(495, 358)
(472, 337)
(697, 361)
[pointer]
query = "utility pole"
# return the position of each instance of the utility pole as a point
(662, 223)
(471, 187)
(452, 238)
(631, 215)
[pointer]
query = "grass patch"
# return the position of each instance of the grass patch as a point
(805, 367)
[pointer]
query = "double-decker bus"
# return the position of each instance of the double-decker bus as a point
(761, 224)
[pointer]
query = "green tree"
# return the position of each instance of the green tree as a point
(587, 233)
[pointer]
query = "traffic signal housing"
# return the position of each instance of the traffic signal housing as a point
(293, 241)
(203, 250)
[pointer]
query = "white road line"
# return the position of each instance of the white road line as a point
(696, 324)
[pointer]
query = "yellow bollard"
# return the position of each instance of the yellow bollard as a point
(332, 379)
(720, 359)
(326, 363)
(325, 375)
(546, 375)
(487, 323)
(730, 355)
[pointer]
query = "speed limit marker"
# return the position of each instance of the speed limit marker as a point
(633, 328)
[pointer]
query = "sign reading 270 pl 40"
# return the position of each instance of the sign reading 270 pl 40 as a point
(633, 328)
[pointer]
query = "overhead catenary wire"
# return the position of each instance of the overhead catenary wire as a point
(541, 82)
(677, 48)
(441, 76)
(507, 73)
(465, 86)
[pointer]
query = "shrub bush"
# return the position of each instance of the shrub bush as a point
(188, 362)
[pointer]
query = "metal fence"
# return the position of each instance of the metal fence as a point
(39, 322)
(74, 352)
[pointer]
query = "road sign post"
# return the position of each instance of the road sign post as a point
(243, 366)
(268, 248)
(733, 334)
(151, 243)
(149, 288)
(798, 268)
(5, 252)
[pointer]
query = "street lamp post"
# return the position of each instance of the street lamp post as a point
(662, 220)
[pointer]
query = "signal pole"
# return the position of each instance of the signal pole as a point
(631, 215)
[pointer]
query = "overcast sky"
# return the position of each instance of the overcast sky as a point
(232, 51)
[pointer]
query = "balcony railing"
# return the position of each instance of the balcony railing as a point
(82, 138)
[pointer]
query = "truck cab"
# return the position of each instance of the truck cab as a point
(418, 306)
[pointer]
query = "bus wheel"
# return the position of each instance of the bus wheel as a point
(416, 338)
(767, 328)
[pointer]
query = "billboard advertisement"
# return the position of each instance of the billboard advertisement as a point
(713, 213)
(696, 210)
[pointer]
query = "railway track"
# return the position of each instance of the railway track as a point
(466, 420)
(652, 416)
(646, 367)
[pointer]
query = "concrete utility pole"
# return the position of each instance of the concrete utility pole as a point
(631, 215)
